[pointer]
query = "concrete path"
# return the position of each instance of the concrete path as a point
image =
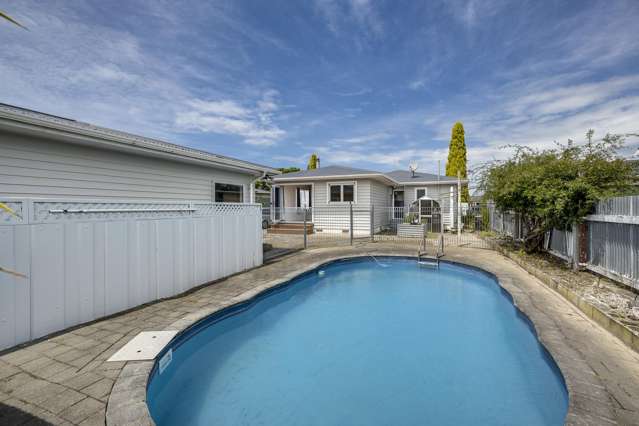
(66, 379)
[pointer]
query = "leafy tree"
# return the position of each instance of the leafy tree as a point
(555, 188)
(289, 169)
(264, 184)
(457, 157)
(313, 162)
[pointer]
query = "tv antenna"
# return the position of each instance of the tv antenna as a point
(413, 168)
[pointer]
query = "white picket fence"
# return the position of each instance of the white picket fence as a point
(84, 260)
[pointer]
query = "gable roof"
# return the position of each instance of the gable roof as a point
(22, 120)
(332, 172)
(396, 177)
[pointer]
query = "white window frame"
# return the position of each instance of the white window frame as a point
(242, 185)
(341, 192)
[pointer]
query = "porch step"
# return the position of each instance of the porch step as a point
(290, 228)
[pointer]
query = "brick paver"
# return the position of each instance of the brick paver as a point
(66, 379)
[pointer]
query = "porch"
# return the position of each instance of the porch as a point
(292, 210)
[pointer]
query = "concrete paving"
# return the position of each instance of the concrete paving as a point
(66, 379)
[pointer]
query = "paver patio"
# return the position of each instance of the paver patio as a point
(67, 380)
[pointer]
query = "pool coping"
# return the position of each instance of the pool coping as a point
(127, 401)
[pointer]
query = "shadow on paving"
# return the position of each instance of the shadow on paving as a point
(14, 416)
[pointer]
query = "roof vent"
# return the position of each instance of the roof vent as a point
(413, 168)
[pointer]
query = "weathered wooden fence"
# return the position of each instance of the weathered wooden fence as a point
(88, 259)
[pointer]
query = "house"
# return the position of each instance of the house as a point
(42, 155)
(328, 191)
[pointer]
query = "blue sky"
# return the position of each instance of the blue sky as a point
(372, 84)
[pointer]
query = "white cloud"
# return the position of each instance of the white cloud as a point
(417, 84)
(343, 15)
(472, 12)
(71, 65)
(225, 108)
(227, 117)
(362, 139)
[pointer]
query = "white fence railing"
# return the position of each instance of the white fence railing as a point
(86, 260)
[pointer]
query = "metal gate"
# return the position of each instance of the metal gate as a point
(474, 226)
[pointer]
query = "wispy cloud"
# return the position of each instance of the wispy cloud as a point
(473, 12)
(254, 124)
(366, 82)
(342, 15)
(362, 139)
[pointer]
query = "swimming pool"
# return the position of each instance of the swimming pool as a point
(360, 342)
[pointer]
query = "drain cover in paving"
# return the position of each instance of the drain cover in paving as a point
(144, 346)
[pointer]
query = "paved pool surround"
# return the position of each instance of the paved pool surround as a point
(588, 405)
(600, 372)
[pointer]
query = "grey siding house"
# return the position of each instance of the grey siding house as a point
(52, 157)
(391, 194)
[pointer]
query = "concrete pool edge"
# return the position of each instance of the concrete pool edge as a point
(127, 401)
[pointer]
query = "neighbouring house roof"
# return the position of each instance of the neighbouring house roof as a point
(25, 121)
(329, 171)
(405, 177)
(397, 177)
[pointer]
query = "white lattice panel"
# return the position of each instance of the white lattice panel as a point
(214, 209)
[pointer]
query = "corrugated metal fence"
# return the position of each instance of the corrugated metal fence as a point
(86, 260)
(508, 223)
(613, 239)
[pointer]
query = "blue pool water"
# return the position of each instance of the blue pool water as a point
(365, 344)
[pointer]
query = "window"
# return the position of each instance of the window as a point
(348, 192)
(304, 197)
(336, 193)
(419, 193)
(228, 193)
(341, 192)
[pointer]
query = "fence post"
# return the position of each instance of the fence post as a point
(305, 237)
(372, 223)
(576, 249)
(350, 208)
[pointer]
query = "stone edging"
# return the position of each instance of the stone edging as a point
(610, 324)
(127, 401)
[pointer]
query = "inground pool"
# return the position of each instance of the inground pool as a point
(363, 342)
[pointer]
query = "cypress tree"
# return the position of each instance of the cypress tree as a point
(457, 157)
(312, 162)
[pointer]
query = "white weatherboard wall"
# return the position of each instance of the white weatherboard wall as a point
(35, 167)
(100, 258)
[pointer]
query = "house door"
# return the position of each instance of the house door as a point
(277, 203)
(398, 204)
